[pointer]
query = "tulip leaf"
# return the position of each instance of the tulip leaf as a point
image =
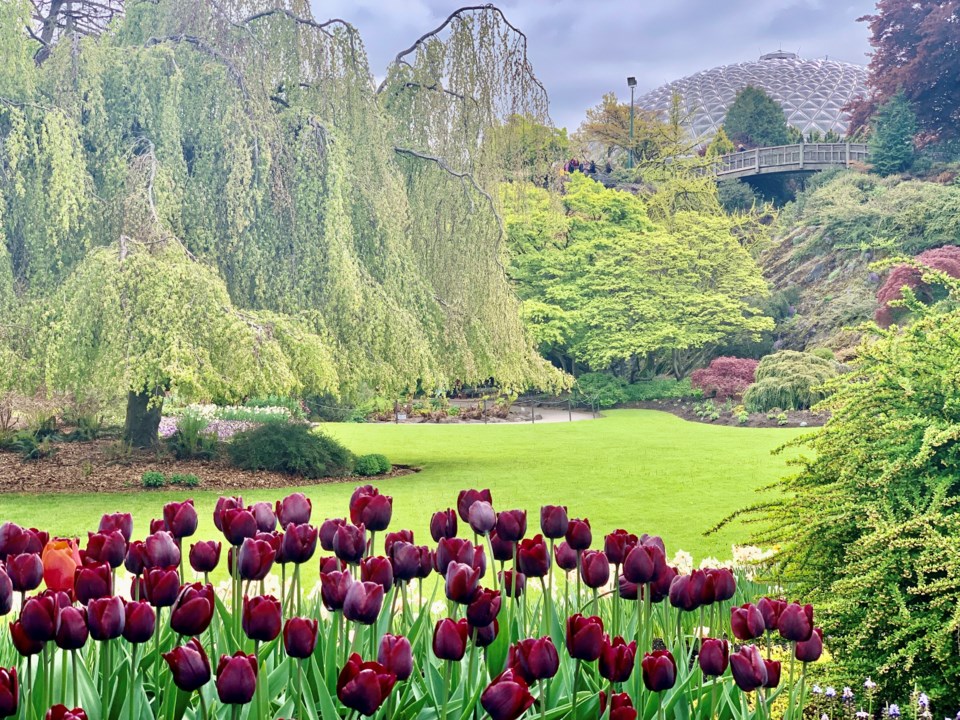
(325, 703)
(495, 654)
(87, 690)
(279, 677)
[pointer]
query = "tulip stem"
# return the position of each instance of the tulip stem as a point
(579, 555)
(133, 676)
(73, 658)
(607, 710)
(790, 698)
(616, 599)
(203, 705)
(496, 583)
(235, 712)
(576, 681)
(296, 580)
(713, 698)
(300, 712)
(283, 589)
(803, 678)
(63, 677)
(447, 670)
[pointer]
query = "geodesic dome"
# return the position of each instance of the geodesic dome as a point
(812, 93)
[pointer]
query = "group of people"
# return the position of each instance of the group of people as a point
(587, 168)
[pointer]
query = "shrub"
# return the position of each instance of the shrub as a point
(945, 259)
(823, 352)
(292, 405)
(790, 380)
(372, 465)
(190, 440)
(184, 479)
(661, 389)
(602, 389)
(290, 448)
(153, 479)
(725, 377)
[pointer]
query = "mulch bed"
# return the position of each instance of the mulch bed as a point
(684, 408)
(89, 467)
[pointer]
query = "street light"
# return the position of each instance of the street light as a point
(631, 83)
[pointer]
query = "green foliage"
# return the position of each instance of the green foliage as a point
(755, 119)
(532, 152)
(153, 479)
(256, 415)
(823, 352)
(606, 390)
(790, 380)
(721, 144)
(661, 389)
(374, 464)
(29, 445)
(190, 440)
(736, 196)
(291, 448)
(293, 405)
(184, 480)
(891, 137)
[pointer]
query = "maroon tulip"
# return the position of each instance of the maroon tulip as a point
(660, 587)
(189, 666)
(378, 570)
(394, 537)
(579, 536)
(331, 563)
(507, 697)
(299, 543)
(457, 550)
(61, 712)
(484, 636)
(396, 655)
(773, 673)
(771, 610)
(333, 589)
(461, 583)
(466, 498)
(24, 644)
(724, 584)
(627, 590)
(502, 549)
(260, 617)
(810, 650)
(121, 522)
(139, 622)
(746, 622)
(617, 658)
(350, 543)
(181, 518)
(796, 622)
(192, 611)
(659, 670)
(554, 521)
(450, 639)
(105, 618)
(714, 656)
(266, 519)
(255, 559)
(38, 618)
(405, 559)
(236, 678)
(9, 692)
(534, 659)
(363, 602)
(327, 531)
(641, 563)
(135, 560)
(484, 607)
(565, 556)
(92, 581)
(25, 571)
(6, 592)
(364, 686)
(621, 708)
(72, 630)
(443, 524)
(294, 508)
(160, 550)
(205, 556)
(617, 544)
(481, 517)
(584, 637)
(748, 668)
(110, 548)
(371, 509)
(158, 525)
(225, 503)
(533, 557)
(512, 525)
(594, 569)
(428, 559)
(162, 585)
(686, 591)
(15, 540)
(238, 525)
(299, 637)
(512, 588)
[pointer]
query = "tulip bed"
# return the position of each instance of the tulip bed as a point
(518, 622)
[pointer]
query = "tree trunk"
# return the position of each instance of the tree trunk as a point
(143, 420)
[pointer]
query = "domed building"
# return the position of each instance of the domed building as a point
(812, 93)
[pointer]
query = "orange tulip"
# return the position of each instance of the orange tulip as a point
(60, 558)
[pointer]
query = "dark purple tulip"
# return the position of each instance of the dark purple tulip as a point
(579, 536)
(396, 655)
(534, 659)
(274, 540)
(25, 571)
(6, 592)
(371, 509)
(238, 525)
(162, 586)
(189, 666)
(350, 543)
(405, 559)
(443, 524)
(466, 498)
(363, 602)
(594, 569)
(333, 589)
(714, 656)
(487, 634)
(105, 618)
(38, 618)
(584, 637)
(617, 658)
(139, 622)
(294, 508)
(450, 550)
(512, 525)
(331, 563)
(510, 589)
(109, 548)
(621, 707)
(181, 518)
(15, 540)
(810, 650)
(461, 583)
(796, 622)
(773, 673)
(192, 611)
(748, 668)
(724, 584)
(617, 544)
(565, 556)
(255, 559)
(627, 590)
(299, 637)
(377, 570)
(225, 503)
(299, 543)
(660, 587)
(236, 678)
(23, 643)
(771, 610)
(428, 559)
(639, 566)
(160, 550)
(686, 590)
(502, 549)
(554, 521)
(659, 670)
(266, 519)
(72, 629)
(205, 556)
(746, 622)
(507, 697)
(120, 522)
(450, 639)
(9, 692)
(533, 557)
(261, 617)
(364, 686)
(394, 537)
(92, 581)
(135, 560)
(328, 529)
(484, 607)
(481, 517)
(158, 525)
(62, 712)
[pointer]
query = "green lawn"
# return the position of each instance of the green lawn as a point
(643, 470)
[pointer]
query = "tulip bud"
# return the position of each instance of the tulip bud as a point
(236, 678)
(396, 655)
(640, 564)
(659, 670)
(617, 544)
(238, 525)
(371, 509)
(746, 622)
(660, 587)
(333, 589)
(108, 548)
(92, 581)
(331, 563)
(810, 650)
(594, 569)
(584, 637)
(205, 556)
(565, 556)
(299, 637)
(533, 557)
(135, 560)
(405, 559)
(391, 538)
(512, 525)
(466, 498)
(255, 559)
(427, 560)
(773, 673)
(725, 585)
(162, 586)
(443, 524)
(513, 583)
(6, 593)
(105, 618)
(61, 712)
(38, 618)
(139, 622)
(771, 610)
(484, 608)
(621, 708)
(507, 696)
(579, 535)
(15, 540)
(192, 611)
(60, 559)
(363, 602)
(122, 522)
(181, 518)
(363, 686)
(714, 656)
(266, 519)
(685, 591)
(9, 692)
(617, 658)
(160, 550)
(450, 639)
(158, 525)
(748, 668)
(627, 590)
(378, 570)
(502, 549)
(23, 643)
(294, 508)
(461, 583)
(796, 622)
(327, 531)
(189, 666)
(350, 543)
(554, 521)
(72, 629)
(223, 505)
(534, 659)
(450, 550)
(25, 571)
(481, 517)
(261, 617)
(484, 636)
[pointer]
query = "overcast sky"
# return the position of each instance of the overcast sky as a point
(583, 48)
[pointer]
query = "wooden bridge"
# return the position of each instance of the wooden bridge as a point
(808, 157)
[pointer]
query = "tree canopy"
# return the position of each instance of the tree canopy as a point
(756, 120)
(894, 126)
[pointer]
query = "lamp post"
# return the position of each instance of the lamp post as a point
(631, 83)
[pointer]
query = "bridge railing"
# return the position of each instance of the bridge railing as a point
(789, 158)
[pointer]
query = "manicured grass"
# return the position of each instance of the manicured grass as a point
(643, 470)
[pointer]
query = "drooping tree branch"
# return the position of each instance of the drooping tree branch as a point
(54, 18)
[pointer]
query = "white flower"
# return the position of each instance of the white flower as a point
(683, 561)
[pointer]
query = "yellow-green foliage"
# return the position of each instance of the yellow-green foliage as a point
(790, 380)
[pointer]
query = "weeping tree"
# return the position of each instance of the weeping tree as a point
(215, 198)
